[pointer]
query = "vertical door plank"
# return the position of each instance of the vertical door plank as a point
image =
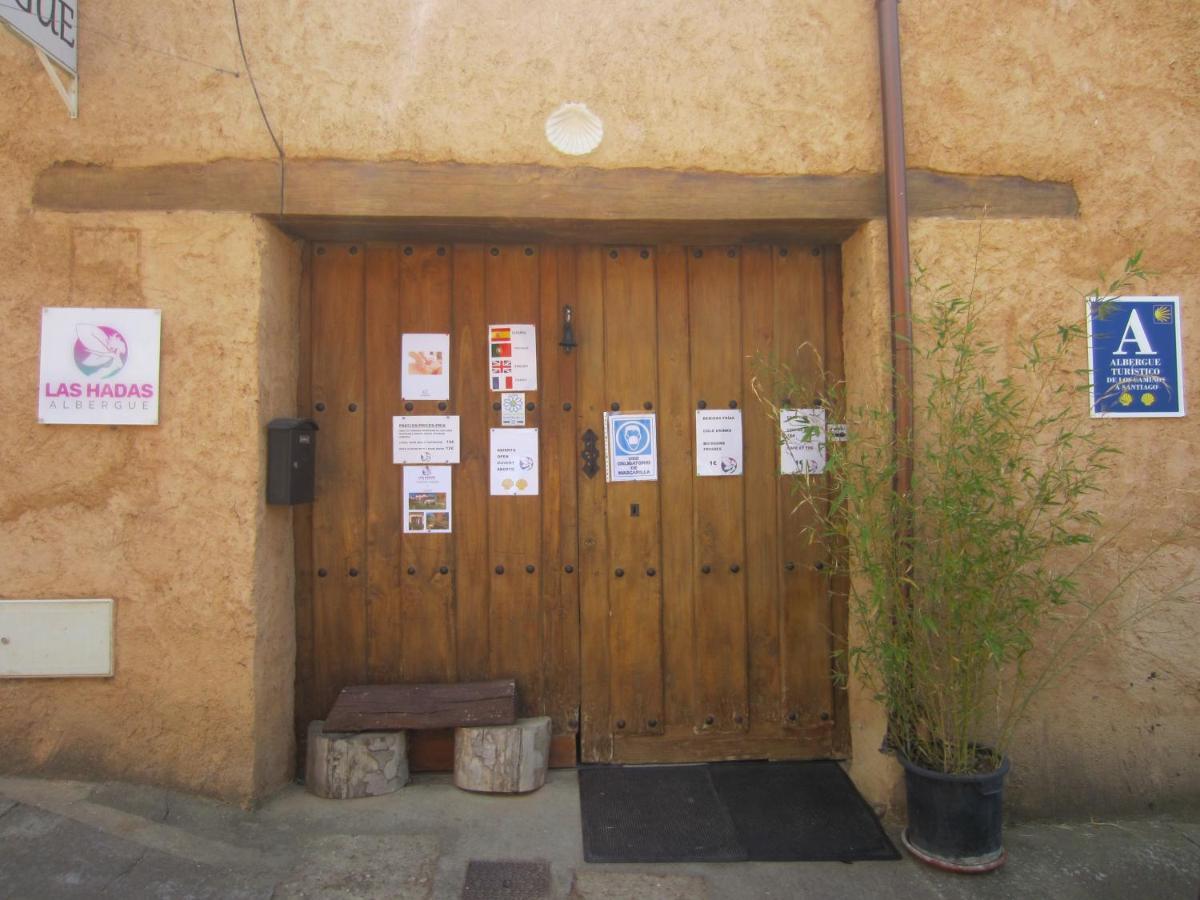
(386, 621)
(302, 524)
(560, 523)
(839, 588)
(427, 640)
(634, 595)
(676, 424)
(762, 465)
(716, 363)
(596, 735)
(472, 401)
(339, 540)
(514, 523)
(800, 330)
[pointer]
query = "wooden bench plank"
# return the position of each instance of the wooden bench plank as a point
(394, 707)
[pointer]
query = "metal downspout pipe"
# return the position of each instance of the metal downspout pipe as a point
(896, 180)
(897, 230)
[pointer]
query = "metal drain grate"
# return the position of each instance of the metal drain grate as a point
(507, 880)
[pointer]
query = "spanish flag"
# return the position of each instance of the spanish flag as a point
(501, 334)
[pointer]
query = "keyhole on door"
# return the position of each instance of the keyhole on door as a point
(635, 510)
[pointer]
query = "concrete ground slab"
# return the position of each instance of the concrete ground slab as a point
(363, 867)
(68, 839)
(1190, 830)
(622, 885)
(162, 876)
(46, 856)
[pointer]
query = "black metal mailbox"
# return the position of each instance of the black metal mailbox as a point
(291, 460)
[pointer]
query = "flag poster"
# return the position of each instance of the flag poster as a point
(1134, 347)
(512, 357)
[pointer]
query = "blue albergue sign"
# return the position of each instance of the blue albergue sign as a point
(1136, 357)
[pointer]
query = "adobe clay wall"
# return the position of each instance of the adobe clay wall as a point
(170, 521)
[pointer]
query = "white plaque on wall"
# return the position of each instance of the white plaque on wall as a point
(99, 366)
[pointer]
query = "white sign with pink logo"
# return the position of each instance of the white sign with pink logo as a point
(99, 366)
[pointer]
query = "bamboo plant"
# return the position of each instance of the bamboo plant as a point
(966, 590)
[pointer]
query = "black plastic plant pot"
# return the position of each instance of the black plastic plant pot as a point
(954, 821)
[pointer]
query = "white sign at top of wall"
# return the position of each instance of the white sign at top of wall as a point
(51, 25)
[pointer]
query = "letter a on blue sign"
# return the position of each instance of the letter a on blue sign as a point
(1135, 350)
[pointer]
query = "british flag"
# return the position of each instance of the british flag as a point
(501, 366)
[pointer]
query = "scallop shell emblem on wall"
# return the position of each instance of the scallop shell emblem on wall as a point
(574, 129)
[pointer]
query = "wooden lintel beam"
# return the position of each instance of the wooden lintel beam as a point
(567, 231)
(227, 185)
(447, 191)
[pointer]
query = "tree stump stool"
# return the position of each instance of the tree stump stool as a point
(503, 759)
(342, 766)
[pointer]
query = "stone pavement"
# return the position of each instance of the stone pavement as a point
(79, 840)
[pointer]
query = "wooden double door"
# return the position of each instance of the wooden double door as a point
(681, 619)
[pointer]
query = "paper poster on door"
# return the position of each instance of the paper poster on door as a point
(718, 442)
(427, 499)
(425, 440)
(425, 367)
(512, 357)
(630, 447)
(803, 449)
(514, 462)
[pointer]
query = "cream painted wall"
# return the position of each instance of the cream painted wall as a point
(170, 520)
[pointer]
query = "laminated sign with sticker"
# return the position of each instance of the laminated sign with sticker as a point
(512, 410)
(630, 447)
(804, 434)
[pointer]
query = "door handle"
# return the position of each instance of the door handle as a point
(590, 454)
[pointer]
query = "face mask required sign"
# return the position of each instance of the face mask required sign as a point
(99, 366)
(1134, 347)
(630, 447)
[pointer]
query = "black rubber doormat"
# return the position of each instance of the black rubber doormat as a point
(727, 812)
(800, 811)
(650, 814)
